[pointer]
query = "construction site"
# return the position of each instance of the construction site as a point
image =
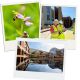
(49, 14)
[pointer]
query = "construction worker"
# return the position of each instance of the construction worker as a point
(54, 30)
(57, 30)
(61, 30)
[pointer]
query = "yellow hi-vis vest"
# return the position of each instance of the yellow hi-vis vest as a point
(55, 34)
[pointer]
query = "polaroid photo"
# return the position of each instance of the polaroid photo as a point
(58, 23)
(20, 20)
(39, 59)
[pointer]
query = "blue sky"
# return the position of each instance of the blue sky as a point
(34, 45)
(45, 46)
(69, 11)
(41, 46)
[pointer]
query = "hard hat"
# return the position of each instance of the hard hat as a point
(56, 20)
(61, 22)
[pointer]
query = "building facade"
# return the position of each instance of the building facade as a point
(49, 14)
(23, 54)
(43, 57)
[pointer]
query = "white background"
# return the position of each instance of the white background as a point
(72, 57)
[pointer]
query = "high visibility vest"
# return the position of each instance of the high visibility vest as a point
(54, 34)
(60, 27)
(57, 29)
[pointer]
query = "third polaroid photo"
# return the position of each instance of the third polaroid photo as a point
(39, 57)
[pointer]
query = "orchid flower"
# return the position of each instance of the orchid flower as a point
(18, 15)
(25, 19)
(27, 23)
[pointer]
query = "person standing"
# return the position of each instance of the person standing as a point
(57, 30)
(61, 30)
(54, 29)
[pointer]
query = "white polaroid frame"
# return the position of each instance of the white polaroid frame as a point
(68, 44)
(39, 75)
(11, 45)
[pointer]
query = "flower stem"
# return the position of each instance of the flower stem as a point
(22, 28)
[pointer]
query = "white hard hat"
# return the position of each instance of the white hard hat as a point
(61, 22)
(56, 20)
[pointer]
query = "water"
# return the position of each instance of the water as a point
(42, 68)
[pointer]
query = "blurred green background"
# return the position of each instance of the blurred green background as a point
(13, 28)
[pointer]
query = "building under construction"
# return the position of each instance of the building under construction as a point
(49, 14)
(22, 60)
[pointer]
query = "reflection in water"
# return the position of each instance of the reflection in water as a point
(42, 68)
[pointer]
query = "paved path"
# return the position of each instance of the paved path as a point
(69, 35)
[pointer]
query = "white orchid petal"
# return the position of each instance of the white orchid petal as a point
(27, 18)
(20, 16)
(28, 23)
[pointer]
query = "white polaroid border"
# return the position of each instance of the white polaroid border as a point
(68, 44)
(39, 75)
(11, 45)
